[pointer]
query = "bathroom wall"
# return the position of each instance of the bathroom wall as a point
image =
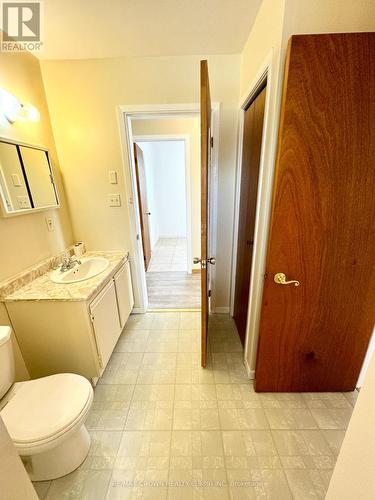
(83, 96)
(24, 239)
(353, 476)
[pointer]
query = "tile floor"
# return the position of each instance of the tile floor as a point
(164, 428)
(169, 254)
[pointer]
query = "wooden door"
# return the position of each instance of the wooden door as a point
(205, 112)
(142, 200)
(251, 149)
(314, 337)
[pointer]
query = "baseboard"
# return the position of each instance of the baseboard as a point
(250, 373)
(221, 310)
(138, 310)
(170, 237)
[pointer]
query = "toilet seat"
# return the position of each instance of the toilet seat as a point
(43, 410)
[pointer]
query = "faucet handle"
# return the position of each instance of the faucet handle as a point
(65, 257)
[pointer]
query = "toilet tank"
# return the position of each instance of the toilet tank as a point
(6, 360)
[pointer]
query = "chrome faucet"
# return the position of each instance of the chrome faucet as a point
(68, 262)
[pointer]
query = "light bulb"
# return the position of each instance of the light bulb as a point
(28, 112)
(31, 112)
(9, 105)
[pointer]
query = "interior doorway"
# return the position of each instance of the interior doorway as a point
(141, 121)
(250, 167)
(164, 193)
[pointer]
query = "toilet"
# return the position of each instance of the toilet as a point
(44, 417)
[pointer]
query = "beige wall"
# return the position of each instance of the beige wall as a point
(83, 96)
(353, 476)
(24, 238)
(332, 16)
(14, 481)
(190, 127)
(276, 21)
(265, 35)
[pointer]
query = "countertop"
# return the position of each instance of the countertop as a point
(42, 288)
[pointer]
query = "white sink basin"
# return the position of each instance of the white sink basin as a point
(89, 267)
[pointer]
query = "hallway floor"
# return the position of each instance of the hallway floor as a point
(169, 254)
(164, 428)
(169, 286)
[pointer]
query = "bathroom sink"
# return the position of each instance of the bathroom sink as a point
(89, 267)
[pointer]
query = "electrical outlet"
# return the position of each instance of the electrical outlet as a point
(50, 224)
(114, 200)
(23, 202)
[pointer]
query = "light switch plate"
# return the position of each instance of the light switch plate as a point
(112, 174)
(114, 200)
(16, 180)
(23, 202)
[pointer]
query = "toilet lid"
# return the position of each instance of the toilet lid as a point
(46, 406)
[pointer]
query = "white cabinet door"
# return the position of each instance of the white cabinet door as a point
(124, 292)
(106, 321)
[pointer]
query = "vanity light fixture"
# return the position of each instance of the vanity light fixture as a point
(13, 110)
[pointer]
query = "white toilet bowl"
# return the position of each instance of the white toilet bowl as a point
(45, 419)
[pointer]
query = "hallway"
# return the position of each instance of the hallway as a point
(169, 286)
(161, 425)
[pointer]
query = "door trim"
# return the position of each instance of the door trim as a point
(124, 115)
(264, 198)
(186, 140)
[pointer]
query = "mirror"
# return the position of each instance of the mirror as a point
(26, 179)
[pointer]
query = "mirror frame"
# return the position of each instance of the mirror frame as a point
(3, 206)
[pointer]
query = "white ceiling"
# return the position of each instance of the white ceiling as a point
(81, 29)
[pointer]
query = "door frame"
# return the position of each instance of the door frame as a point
(185, 138)
(263, 206)
(146, 111)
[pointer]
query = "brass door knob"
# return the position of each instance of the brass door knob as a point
(202, 262)
(280, 279)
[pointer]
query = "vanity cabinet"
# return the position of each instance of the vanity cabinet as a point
(76, 336)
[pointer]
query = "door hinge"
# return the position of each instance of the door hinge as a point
(92, 318)
(209, 293)
(212, 142)
(137, 236)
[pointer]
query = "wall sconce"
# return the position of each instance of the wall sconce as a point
(14, 110)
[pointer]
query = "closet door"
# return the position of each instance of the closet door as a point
(318, 304)
(251, 149)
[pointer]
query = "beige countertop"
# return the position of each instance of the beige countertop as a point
(42, 288)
